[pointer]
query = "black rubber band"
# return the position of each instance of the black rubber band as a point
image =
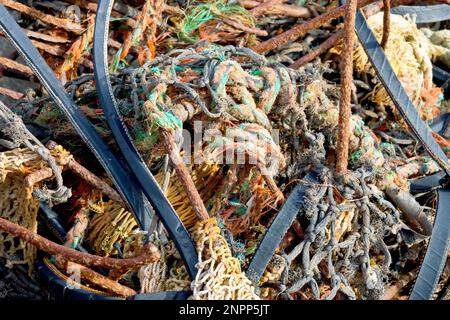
(425, 14)
(278, 228)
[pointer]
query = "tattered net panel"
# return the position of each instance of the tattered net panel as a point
(17, 205)
(16, 200)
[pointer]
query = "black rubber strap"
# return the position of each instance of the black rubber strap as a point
(437, 251)
(154, 194)
(60, 289)
(442, 78)
(166, 295)
(62, 292)
(278, 228)
(425, 14)
(427, 183)
(125, 182)
(398, 95)
(440, 123)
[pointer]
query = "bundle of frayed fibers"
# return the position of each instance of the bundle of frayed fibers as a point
(219, 275)
(409, 53)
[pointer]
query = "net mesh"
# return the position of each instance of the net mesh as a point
(17, 203)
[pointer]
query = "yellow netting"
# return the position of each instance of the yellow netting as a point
(409, 53)
(112, 223)
(406, 50)
(109, 225)
(17, 203)
(157, 277)
(219, 274)
(206, 179)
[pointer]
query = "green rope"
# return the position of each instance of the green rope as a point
(202, 13)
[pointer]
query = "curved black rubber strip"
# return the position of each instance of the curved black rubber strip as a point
(442, 78)
(437, 251)
(166, 295)
(435, 257)
(427, 183)
(278, 228)
(425, 14)
(398, 95)
(125, 182)
(53, 222)
(60, 291)
(151, 189)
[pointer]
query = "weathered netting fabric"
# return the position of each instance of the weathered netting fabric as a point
(206, 178)
(110, 224)
(152, 277)
(409, 53)
(159, 276)
(219, 274)
(440, 40)
(17, 203)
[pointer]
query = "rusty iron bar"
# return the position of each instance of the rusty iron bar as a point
(346, 65)
(95, 181)
(15, 66)
(46, 18)
(89, 177)
(386, 22)
(78, 272)
(149, 252)
(184, 176)
(301, 29)
(324, 46)
(38, 176)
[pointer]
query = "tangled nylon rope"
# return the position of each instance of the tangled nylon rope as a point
(159, 276)
(13, 127)
(203, 15)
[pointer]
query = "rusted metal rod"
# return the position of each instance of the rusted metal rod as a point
(11, 93)
(149, 252)
(324, 46)
(95, 278)
(386, 22)
(15, 66)
(301, 29)
(38, 176)
(346, 88)
(184, 176)
(89, 177)
(46, 18)
(95, 181)
(262, 7)
(75, 235)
